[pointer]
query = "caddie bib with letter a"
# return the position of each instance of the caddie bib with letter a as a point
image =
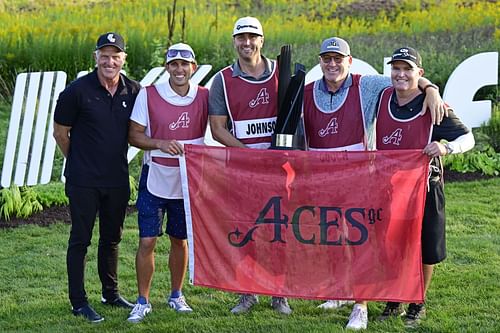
(186, 124)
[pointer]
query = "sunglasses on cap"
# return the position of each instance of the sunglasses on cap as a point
(183, 53)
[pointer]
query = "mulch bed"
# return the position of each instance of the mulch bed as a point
(51, 215)
(44, 218)
(58, 214)
(455, 176)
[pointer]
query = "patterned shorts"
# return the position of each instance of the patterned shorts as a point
(151, 212)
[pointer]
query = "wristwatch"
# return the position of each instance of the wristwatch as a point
(449, 148)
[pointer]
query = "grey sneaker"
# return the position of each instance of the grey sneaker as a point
(334, 304)
(245, 303)
(179, 304)
(392, 309)
(280, 304)
(139, 312)
(415, 313)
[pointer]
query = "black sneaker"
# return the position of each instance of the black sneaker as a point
(117, 301)
(88, 313)
(392, 309)
(415, 313)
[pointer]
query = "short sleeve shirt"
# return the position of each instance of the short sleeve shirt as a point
(97, 154)
(217, 100)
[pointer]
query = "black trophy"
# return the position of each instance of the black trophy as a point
(288, 133)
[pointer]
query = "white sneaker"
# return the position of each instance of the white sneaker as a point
(179, 304)
(139, 312)
(245, 303)
(358, 320)
(334, 304)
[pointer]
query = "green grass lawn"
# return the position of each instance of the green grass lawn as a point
(464, 295)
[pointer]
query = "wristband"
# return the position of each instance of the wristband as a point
(430, 85)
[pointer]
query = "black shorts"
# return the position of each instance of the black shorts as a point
(433, 225)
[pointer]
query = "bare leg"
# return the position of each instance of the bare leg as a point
(177, 262)
(428, 270)
(145, 265)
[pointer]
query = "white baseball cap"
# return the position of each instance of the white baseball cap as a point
(249, 25)
(180, 51)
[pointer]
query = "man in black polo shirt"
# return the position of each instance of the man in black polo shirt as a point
(90, 128)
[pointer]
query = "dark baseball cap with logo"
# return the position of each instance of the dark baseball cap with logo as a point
(408, 55)
(110, 39)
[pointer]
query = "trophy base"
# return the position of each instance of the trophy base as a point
(288, 142)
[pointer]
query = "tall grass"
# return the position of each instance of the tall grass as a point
(53, 35)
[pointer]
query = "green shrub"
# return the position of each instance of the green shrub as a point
(492, 129)
(485, 161)
(51, 194)
(25, 201)
(484, 157)
(10, 202)
(18, 202)
(134, 190)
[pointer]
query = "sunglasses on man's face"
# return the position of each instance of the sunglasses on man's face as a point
(184, 53)
(327, 59)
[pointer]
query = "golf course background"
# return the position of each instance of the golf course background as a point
(43, 35)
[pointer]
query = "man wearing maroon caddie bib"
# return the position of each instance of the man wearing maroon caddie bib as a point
(243, 106)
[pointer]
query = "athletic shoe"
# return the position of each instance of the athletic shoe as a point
(334, 304)
(139, 312)
(358, 320)
(392, 309)
(415, 313)
(118, 302)
(245, 303)
(179, 304)
(280, 305)
(88, 313)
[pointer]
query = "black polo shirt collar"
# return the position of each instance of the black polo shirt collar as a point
(94, 80)
(409, 110)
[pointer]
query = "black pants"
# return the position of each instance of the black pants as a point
(85, 202)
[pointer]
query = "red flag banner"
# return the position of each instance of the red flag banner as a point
(319, 225)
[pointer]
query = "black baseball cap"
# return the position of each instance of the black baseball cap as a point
(407, 54)
(111, 39)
